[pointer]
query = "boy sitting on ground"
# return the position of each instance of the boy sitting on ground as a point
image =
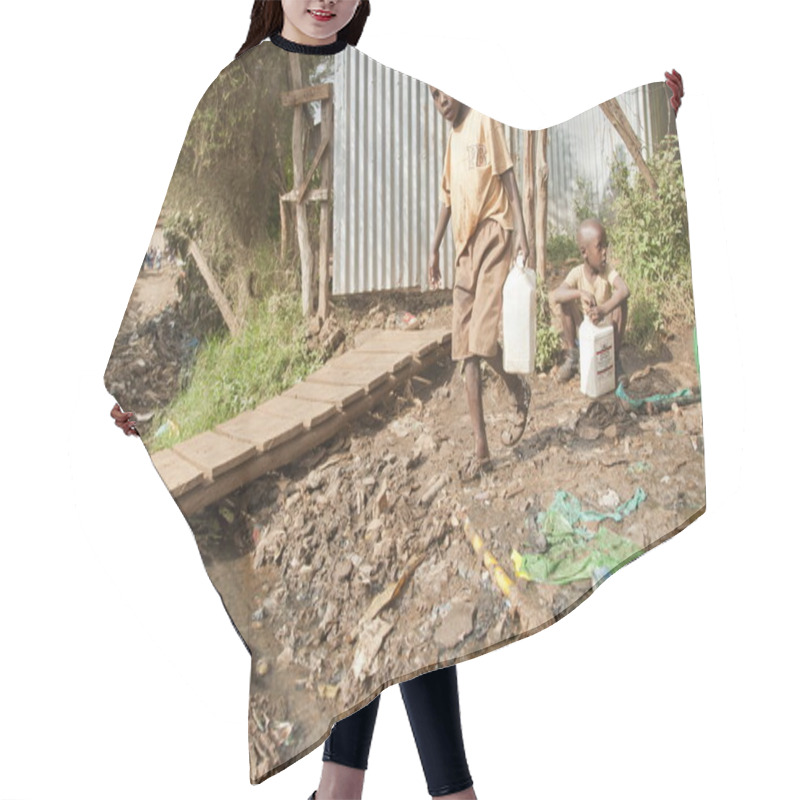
(594, 290)
(480, 192)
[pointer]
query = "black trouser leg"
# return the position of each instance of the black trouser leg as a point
(351, 738)
(433, 711)
(432, 706)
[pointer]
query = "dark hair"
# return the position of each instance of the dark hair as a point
(266, 19)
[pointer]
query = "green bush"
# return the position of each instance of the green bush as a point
(650, 241)
(548, 339)
(561, 247)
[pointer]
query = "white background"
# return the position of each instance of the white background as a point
(120, 674)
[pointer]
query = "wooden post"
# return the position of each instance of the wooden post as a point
(325, 216)
(528, 161)
(284, 229)
(613, 110)
(542, 175)
(214, 289)
(303, 238)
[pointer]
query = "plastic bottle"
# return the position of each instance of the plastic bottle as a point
(597, 358)
(519, 319)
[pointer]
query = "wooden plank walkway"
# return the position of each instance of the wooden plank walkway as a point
(210, 466)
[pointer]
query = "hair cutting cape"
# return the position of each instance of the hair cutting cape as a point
(291, 372)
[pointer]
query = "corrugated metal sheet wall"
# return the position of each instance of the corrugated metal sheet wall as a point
(388, 155)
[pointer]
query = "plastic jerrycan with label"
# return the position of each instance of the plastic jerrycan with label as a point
(597, 358)
(519, 319)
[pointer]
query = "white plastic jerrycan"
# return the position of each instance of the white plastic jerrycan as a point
(597, 358)
(519, 319)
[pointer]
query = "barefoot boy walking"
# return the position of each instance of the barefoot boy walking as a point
(479, 192)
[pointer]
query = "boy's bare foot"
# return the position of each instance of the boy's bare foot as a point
(473, 468)
(522, 396)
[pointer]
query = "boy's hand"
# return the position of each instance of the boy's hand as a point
(434, 276)
(588, 300)
(595, 314)
(125, 420)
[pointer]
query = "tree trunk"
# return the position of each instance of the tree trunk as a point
(326, 168)
(613, 110)
(542, 175)
(303, 238)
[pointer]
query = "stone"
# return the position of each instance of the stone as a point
(456, 625)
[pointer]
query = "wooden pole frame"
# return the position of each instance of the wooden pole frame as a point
(300, 194)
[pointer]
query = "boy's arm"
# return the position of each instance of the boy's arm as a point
(569, 291)
(510, 185)
(434, 274)
(621, 294)
(565, 293)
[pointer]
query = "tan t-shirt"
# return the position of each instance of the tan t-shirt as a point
(602, 288)
(476, 157)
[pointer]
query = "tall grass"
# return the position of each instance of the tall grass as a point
(232, 375)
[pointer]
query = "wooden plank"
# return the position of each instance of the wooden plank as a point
(309, 412)
(263, 430)
(367, 378)
(390, 361)
(308, 94)
(179, 475)
(288, 452)
(340, 395)
(419, 343)
(315, 195)
(323, 146)
(214, 289)
(214, 453)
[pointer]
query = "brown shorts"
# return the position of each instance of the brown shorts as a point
(480, 273)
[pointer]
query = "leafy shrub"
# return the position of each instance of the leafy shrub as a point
(650, 242)
(548, 339)
(561, 247)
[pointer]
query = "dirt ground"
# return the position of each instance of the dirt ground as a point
(374, 520)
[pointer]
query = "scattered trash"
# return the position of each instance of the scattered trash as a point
(406, 321)
(638, 467)
(573, 553)
(609, 500)
(167, 428)
(433, 489)
(657, 402)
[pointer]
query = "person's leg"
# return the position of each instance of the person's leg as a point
(345, 755)
(619, 319)
(472, 379)
(570, 316)
(431, 702)
(520, 391)
(463, 307)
